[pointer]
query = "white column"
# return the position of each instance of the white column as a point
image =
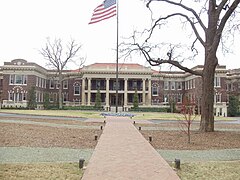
(89, 91)
(144, 92)
(149, 92)
(107, 92)
(83, 92)
(125, 92)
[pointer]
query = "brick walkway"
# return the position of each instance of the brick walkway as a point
(122, 153)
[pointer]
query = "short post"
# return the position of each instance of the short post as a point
(150, 138)
(177, 163)
(134, 122)
(104, 122)
(81, 163)
(101, 127)
(139, 128)
(96, 137)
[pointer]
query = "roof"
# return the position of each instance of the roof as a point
(112, 66)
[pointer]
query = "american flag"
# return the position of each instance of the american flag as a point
(104, 11)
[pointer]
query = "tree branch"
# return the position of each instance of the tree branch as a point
(182, 15)
(184, 7)
(157, 62)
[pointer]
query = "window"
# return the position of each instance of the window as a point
(10, 96)
(172, 85)
(57, 84)
(51, 97)
(76, 90)
(155, 91)
(20, 79)
(55, 97)
(217, 82)
(165, 98)
(51, 86)
(98, 84)
(11, 79)
(65, 97)
(218, 98)
(114, 85)
(134, 84)
(24, 98)
(65, 84)
(179, 85)
(166, 85)
(179, 98)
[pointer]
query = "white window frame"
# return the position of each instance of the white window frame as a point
(179, 85)
(173, 85)
(75, 90)
(165, 98)
(65, 84)
(166, 85)
(155, 89)
(51, 84)
(217, 81)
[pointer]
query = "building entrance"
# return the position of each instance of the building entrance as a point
(113, 100)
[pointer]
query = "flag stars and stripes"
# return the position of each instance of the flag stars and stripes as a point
(104, 11)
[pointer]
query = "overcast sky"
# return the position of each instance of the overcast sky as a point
(25, 25)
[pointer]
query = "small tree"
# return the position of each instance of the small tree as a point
(187, 110)
(135, 99)
(98, 103)
(233, 106)
(46, 101)
(172, 106)
(32, 104)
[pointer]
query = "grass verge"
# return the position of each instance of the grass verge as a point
(96, 114)
(40, 171)
(69, 113)
(220, 170)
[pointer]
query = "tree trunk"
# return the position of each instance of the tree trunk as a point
(60, 92)
(207, 115)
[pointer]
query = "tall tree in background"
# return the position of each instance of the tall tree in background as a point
(58, 58)
(211, 22)
(32, 104)
(233, 106)
(98, 102)
(135, 99)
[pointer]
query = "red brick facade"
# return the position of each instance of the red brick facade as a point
(153, 88)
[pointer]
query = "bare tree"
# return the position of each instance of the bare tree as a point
(58, 57)
(185, 122)
(208, 25)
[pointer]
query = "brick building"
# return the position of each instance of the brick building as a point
(155, 89)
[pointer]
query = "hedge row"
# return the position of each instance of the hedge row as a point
(82, 108)
(149, 109)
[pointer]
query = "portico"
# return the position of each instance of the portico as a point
(129, 83)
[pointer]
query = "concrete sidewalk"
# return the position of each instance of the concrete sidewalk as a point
(123, 153)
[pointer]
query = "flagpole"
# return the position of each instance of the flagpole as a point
(117, 63)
